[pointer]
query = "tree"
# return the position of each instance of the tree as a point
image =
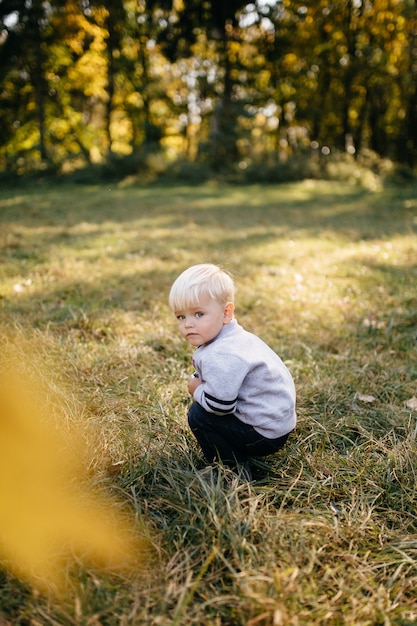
(227, 82)
(406, 149)
(23, 54)
(215, 26)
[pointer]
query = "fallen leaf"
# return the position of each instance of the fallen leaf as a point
(114, 468)
(365, 398)
(412, 403)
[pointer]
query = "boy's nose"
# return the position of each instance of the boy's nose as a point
(189, 322)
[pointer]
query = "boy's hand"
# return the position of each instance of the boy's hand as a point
(193, 382)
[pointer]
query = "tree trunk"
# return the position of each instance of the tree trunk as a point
(38, 79)
(223, 131)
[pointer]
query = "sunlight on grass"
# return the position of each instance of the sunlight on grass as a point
(326, 274)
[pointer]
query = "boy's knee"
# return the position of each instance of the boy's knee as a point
(195, 415)
(192, 415)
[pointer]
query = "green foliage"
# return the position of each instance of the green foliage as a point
(326, 275)
(227, 82)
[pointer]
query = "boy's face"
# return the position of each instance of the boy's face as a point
(201, 324)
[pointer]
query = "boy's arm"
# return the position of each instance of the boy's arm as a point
(193, 382)
(219, 388)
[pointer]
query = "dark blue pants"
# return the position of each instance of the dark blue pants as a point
(225, 438)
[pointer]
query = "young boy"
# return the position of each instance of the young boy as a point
(244, 396)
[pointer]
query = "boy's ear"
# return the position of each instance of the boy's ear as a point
(228, 312)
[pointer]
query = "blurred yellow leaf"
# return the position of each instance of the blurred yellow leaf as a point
(47, 512)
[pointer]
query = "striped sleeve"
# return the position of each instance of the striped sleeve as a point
(219, 406)
(222, 377)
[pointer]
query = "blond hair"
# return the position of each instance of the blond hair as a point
(201, 281)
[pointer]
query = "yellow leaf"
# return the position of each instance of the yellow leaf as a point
(48, 512)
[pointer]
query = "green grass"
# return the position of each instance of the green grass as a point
(327, 276)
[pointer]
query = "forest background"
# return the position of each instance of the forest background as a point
(272, 90)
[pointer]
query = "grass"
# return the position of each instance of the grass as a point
(327, 276)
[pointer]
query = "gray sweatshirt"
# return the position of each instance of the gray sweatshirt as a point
(240, 374)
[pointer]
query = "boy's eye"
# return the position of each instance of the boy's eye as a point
(199, 314)
(180, 317)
